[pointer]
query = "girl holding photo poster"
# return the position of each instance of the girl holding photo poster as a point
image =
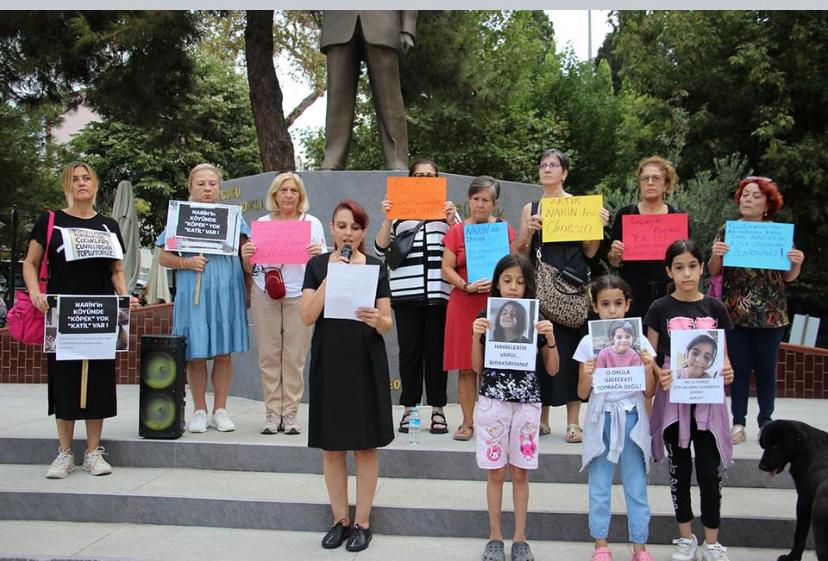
(508, 420)
(616, 427)
(675, 425)
(217, 326)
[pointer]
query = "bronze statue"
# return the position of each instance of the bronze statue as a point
(379, 38)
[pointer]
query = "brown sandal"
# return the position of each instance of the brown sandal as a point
(464, 432)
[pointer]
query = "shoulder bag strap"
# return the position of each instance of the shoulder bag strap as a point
(44, 263)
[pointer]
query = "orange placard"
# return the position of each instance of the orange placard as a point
(418, 198)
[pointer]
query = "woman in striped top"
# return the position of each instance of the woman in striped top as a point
(419, 295)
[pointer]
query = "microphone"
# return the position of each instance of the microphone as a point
(346, 251)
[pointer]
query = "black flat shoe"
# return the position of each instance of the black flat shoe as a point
(336, 536)
(360, 538)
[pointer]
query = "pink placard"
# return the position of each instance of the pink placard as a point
(280, 241)
(647, 236)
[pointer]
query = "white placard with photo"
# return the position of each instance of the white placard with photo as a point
(87, 327)
(203, 228)
(350, 287)
(616, 344)
(85, 243)
(511, 340)
(697, 360)
(51, 325)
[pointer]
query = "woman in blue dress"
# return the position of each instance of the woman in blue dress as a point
(216, 327)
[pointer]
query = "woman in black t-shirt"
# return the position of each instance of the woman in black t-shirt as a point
(648, 279)
(93, 276)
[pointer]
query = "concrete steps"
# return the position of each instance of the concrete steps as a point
(144, 542)
(241, 482)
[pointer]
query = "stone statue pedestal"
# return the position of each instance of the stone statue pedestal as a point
(325, 189)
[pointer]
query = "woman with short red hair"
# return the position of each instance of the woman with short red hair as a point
(755, 300)
(350, 397)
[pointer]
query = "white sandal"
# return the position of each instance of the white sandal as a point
(737, 434)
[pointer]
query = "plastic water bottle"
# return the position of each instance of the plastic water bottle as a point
(414, 428)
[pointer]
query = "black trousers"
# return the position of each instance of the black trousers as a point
(420, 330)
(680, 464)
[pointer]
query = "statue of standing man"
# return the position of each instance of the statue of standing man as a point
(379, 38)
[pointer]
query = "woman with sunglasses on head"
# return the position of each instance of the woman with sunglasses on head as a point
(755, 300)
(656, 179)
(419, 295)
(553, 169)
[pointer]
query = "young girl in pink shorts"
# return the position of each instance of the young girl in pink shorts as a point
(508, 412)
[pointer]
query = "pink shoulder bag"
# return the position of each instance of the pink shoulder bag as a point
(26, 322)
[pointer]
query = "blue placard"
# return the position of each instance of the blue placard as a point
(485, 245)
(758, 245)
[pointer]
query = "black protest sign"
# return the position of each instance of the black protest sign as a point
(202, 222)
(80, 315)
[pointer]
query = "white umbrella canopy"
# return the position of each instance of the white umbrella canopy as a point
(123, 211)
(158, 287)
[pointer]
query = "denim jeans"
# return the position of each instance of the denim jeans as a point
(634, 480)
(753, 349)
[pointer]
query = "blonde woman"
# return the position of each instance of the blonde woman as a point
(282, 338)
(96, 275)
(217, 326)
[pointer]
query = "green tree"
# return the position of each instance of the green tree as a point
(214, 124)
(747, 82)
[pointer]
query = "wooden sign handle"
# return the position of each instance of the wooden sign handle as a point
(84, 382)
(196, 296)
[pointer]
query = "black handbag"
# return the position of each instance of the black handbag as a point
(400, 247)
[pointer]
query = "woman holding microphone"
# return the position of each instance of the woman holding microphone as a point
(350, 397)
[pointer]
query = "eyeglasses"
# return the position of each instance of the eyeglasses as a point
(420, 174)
(549, 165)
(654, 178)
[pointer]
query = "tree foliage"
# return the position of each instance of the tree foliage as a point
(746, 82)
(214, 124)
(129, 65)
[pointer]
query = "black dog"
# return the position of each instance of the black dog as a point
(806, 449)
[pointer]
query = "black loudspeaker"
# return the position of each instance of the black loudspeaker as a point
(163, 375)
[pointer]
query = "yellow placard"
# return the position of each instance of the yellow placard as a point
(418, 198)
(568, 219)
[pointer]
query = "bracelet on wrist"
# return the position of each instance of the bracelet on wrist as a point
(548, 346)
(181, 263)
(465, 288)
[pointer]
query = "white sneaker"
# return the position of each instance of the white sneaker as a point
(714, 552)
(686, 549)
(61, 466)
(221, 421)
(291, 424)
(94, 463)
(199, 421)
(271, 424)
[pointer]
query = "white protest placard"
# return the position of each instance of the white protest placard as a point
(203, 228)
(87, 327)
(84, 243)
(350, 287)
(511, 340)
(697, 360)
(51, 324)
(616, 344)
